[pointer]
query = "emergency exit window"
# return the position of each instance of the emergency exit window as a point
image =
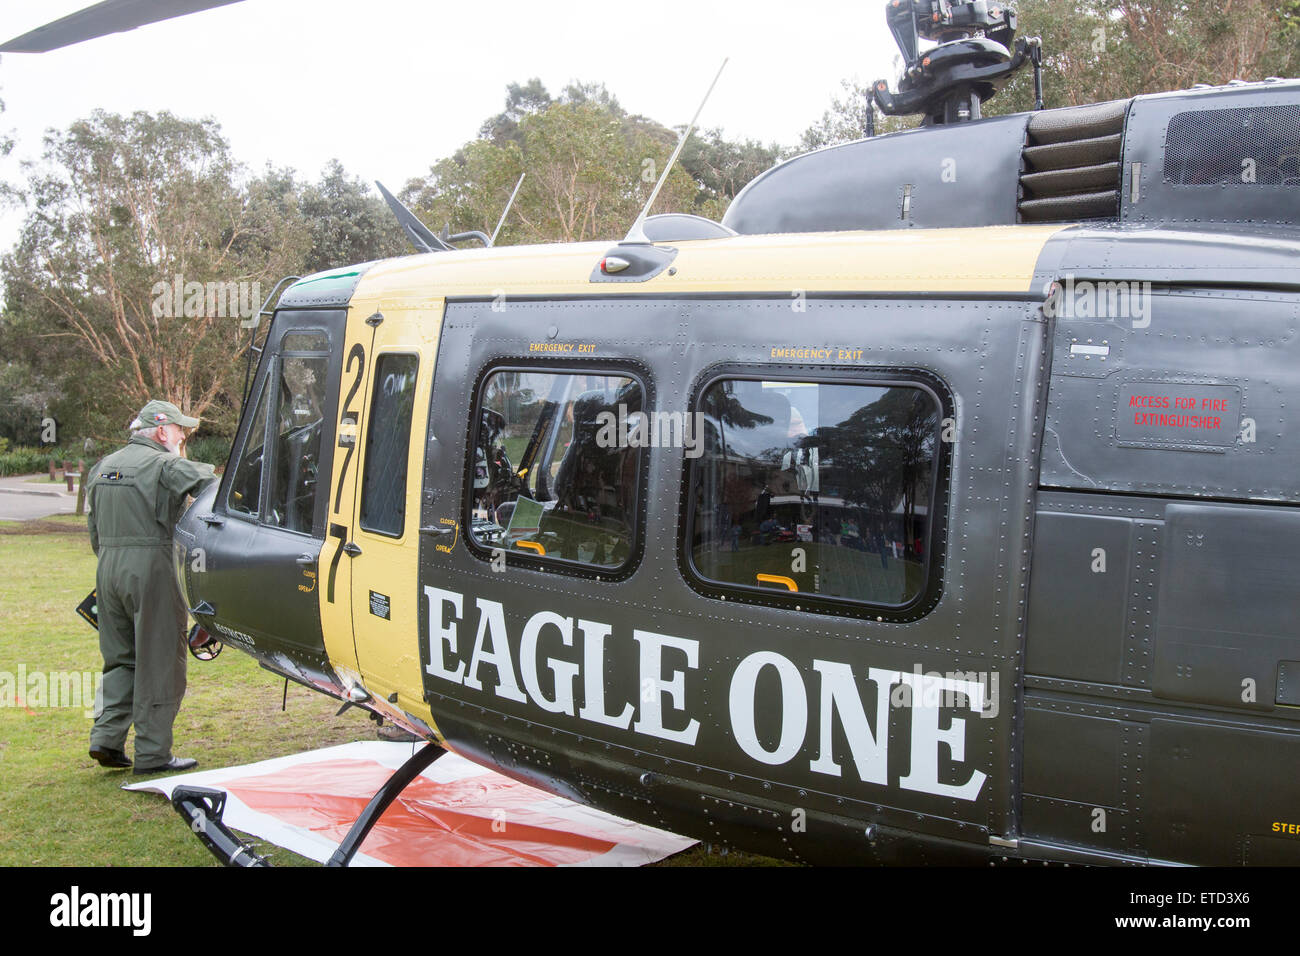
(550, 476)
(817, 489)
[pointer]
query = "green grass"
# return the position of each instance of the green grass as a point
(58, 807)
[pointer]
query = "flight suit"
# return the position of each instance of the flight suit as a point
(135, 496)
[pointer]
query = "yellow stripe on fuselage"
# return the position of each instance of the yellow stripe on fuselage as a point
(989, 259)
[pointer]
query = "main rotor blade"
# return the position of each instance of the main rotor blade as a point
(111, 16)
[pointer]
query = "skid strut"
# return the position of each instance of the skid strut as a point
(202, 808)
(380, 801)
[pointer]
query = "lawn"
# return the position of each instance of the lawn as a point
(58, 807)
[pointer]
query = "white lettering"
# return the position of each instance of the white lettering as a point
(927, 736)
(564, 671)
(794, 707)
(492, 623)
(870, 750)
(651, 719)
(440, 634)
(593, 677)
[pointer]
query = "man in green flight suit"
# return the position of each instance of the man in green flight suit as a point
(134, 498)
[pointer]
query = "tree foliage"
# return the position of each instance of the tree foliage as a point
(348, 222)
(120, 206)
(1094, 51)
(124, 212)
(589, 167)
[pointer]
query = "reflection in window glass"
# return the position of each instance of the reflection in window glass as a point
(841, 472)
(301, 415)
(547, 479)
(246, 487)
(383, 490)
(309, 340)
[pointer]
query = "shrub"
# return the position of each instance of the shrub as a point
(213, 449)
(21, 460)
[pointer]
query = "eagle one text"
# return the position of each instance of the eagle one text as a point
(668, 668)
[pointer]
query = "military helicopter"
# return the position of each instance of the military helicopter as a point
(939, 504)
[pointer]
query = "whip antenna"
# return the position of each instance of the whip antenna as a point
(635, 234)
(502, 221)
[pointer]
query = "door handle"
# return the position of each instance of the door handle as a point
(437, 530)
(351, 549)
(212, 519)
(305, 560)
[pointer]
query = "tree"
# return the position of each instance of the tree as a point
(349, 223)
(521, 100)
(722, 168)
(1097, 51)
(125, 213)
(590, 168)
(846, 119)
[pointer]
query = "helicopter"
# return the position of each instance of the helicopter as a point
(939, 504)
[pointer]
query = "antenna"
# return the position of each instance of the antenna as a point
(636, 234)
(502, 221)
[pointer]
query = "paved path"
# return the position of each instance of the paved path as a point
(23, 500)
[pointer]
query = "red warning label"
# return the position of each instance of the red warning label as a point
(1184, 414)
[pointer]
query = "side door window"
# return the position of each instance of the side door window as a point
(297, 428)
(245, 494)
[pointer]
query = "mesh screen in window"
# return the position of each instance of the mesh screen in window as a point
(544, 482)
(823, 489)
(1240, 146)
(388, 440)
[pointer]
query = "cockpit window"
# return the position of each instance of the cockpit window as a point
(821, 489)
(549, 476)
(300, 418)
(246, 488)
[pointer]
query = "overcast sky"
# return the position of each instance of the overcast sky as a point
(389, 86)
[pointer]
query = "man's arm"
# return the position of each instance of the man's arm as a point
(180, 478)
(184, 477)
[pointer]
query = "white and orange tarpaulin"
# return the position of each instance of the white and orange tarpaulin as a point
(455, 813)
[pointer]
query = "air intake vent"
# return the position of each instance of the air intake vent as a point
(1234, 147)
(1071, 163)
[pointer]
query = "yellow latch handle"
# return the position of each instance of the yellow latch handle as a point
(777, 579)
